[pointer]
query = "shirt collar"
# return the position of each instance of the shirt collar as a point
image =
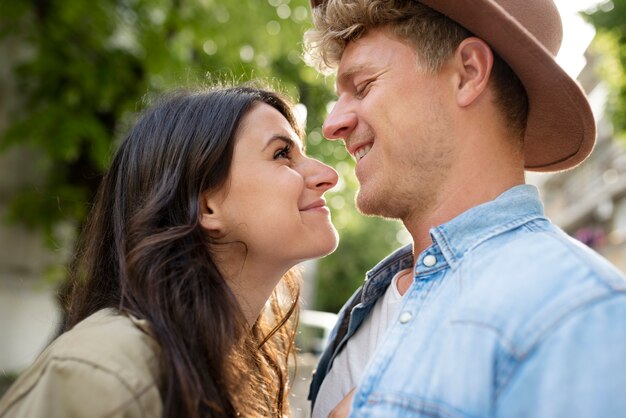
(508, 211)
(511, 209)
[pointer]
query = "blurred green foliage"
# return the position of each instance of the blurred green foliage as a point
(609, 19)
(85, 66)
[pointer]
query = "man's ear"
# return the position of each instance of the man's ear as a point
(474, 61)
(210, 214)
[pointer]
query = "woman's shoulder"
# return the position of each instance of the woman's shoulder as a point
(108, 335)
(108, 364)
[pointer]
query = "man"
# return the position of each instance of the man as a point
(492, 311)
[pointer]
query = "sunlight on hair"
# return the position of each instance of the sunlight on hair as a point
(301, 113)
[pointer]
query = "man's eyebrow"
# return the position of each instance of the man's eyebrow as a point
(346, 76)
(289, 141)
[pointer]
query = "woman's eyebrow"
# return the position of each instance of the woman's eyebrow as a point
(289, 141)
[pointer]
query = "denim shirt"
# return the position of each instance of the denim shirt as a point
(507, 317)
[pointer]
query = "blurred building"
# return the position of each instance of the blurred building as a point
(28, 313)
(589, 202)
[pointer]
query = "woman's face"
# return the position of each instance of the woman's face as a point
(273, 201)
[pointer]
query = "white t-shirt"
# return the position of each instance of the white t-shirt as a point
(349, 365)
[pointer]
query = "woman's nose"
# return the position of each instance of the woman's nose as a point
(340, 122)
(320, 176)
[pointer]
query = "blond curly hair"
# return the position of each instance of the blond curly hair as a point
(434, 37)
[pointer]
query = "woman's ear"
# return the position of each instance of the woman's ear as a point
(210, 214)
(474, 60)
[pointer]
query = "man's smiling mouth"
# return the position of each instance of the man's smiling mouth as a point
(362, 152)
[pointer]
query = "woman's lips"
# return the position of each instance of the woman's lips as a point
(319, 204)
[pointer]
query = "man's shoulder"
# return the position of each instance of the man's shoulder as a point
(539, 255)
(529, 283)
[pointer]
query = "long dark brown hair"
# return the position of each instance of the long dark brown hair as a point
(144, 252)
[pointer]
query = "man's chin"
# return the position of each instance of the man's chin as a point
(374, 207)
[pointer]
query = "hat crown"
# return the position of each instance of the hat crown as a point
(540, 18)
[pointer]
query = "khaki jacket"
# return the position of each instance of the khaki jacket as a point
(106, 366)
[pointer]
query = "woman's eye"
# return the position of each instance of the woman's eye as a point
(283, 153)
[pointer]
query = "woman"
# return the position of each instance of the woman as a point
(208, 204)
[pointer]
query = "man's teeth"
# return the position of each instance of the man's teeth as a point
(361, 152)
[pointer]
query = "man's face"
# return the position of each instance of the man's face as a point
(394, 118)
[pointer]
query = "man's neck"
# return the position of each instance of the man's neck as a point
(452, 203)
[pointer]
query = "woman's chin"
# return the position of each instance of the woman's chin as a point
(321, 247)
(329, 244)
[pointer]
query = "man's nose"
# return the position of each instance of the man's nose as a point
(340, 122)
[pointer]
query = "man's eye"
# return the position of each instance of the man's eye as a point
(284, 152)
(363, 88)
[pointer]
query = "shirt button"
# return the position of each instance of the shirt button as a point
(405, 317)
(430, 260)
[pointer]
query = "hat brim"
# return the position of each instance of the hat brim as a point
(561, 129)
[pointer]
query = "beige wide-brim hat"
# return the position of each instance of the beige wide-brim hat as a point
(527, 34)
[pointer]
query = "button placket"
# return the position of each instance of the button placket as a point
(429, 260)
(405, 317)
